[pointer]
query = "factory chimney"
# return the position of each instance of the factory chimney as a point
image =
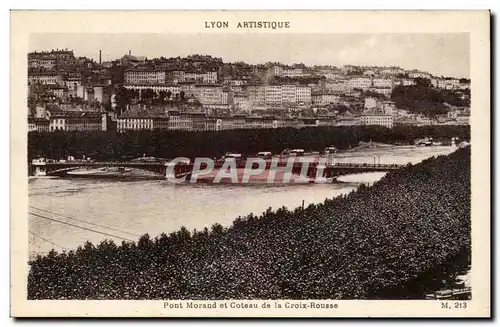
(100, 57)
(129, 52)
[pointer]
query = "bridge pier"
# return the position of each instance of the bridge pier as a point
(40, 167)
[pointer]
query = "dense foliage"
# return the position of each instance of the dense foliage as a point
(170, 144)
(405, 230)
(426, 99)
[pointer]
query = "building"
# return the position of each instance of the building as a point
(256, 94)
(50, 60)
(418, 74)
(174, 89)
(142, 119)
(260, 123)
(208, 93)
(145, 76)
(363, 83)
(405, 82)
(199, 77)
(241, 102)
(423, 120)
(287, 122)
(392, 71)
(292, 72)
(370, 103)
(388, 108)
(102, 94)
(303, 94)
(36, 124)
(369, 119)
(59, 91)
(345, 119)
(383, 83)
(447, 83)
(47, 78)
(463, 120)
(276, 70)
(276, 95)
(463, 85)
(78, 121)
(210, 77)
(324, 98)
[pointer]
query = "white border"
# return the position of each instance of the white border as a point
(188, 4)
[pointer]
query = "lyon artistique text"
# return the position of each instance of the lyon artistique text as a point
(250, 24)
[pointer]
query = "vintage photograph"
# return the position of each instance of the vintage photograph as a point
(249, 166)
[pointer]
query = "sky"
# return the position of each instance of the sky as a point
(439, 54)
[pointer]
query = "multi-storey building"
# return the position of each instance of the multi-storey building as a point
(370, 103)
(145, 76)
(279, 94)
(392, 71)
(48, 78)
(405, 82)
(303, 94)
(383, 82)
(292, 72)
(36, 124)
(208, 93)
(50, 59)
(274, 94)
(449, 84)
(256, 94)
(241, 102)
(260, 122)
(208, 77)
(418, 74)
(175, 89)
(77, 121)
(289, 94)
(324, 98)
(360, 83)
(375, 119)
(142, 123)
(179, 121)
(276, 70)
(142, 118)
(345, 119)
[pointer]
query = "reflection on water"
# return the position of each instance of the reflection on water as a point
(156, 206)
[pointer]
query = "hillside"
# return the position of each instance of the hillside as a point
(426, 99)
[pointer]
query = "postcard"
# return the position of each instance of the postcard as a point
(250, 164)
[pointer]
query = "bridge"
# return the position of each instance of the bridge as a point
(62, 168)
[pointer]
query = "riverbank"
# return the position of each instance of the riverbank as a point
(172, 144)
(367, 244)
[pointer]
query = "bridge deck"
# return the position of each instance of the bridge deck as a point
(164, 164)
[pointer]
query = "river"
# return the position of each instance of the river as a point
(129, 208)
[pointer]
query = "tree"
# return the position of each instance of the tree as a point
(122, 98)
(424, 82)
(168, 94)
(182, 94)
(162, 96)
